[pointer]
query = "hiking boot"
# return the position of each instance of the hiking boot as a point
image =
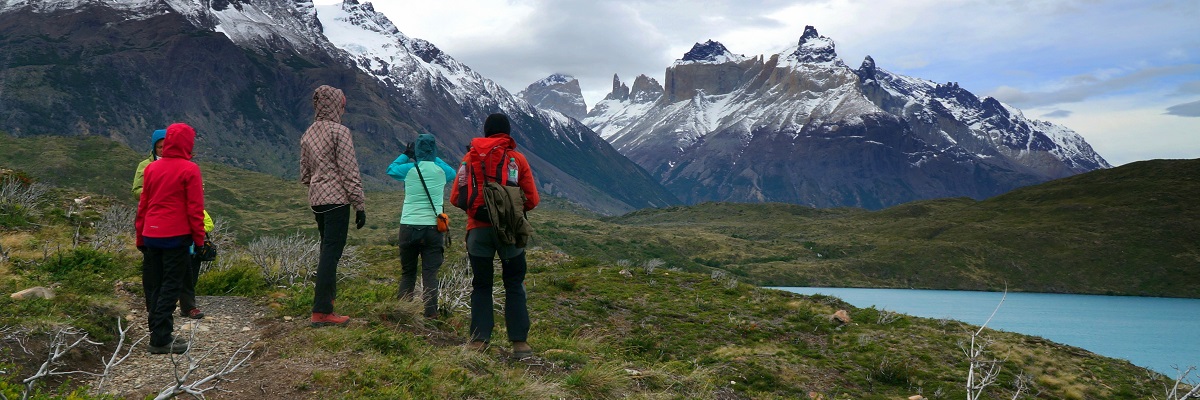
(177, 346)
(478, 345)
(521, 350)
(322, 319)
(194, 313)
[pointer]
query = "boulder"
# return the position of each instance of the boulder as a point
(841, 316)
(33, 293)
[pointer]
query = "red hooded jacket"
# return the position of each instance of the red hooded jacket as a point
(172, 201)
(524, 177)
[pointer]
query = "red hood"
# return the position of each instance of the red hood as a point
(180, 140)
(498, 139)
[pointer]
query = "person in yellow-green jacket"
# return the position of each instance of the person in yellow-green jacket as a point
(187, 296)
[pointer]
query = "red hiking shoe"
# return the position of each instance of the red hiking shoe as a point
(321, 319)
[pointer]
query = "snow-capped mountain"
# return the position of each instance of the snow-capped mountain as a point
(802, 127)
(242, 72)
(557, 92)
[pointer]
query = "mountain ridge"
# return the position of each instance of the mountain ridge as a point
(113, 68)
(802, 127)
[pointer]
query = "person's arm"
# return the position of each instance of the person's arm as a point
(194, 192)
(306, 169)
(138, 178)
(140, 219)
(526, 182)
(457, 189)
(208, 222)
(347, 165)
(399, 168)
(445, 168)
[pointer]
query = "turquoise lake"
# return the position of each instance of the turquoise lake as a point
(1151, 332)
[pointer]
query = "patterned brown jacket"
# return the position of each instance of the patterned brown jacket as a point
(328, 165)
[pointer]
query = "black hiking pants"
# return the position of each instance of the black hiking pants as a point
(422, 241)
(333, 222)
(516, 310)
(162, 279)
(187, 292)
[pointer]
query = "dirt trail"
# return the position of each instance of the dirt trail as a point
(229, 324)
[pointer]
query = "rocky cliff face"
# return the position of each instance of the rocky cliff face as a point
(802, 127)
(242, 72)
(558, 92)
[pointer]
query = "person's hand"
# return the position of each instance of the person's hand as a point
(360, 219)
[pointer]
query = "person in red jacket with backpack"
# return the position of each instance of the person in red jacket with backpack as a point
(494, 158)
(170, 218)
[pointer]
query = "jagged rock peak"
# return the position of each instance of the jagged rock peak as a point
(813, 47)
(951, 90)
(868, 64)
(645, 89)
(619, 92)
(557, 92)
(866, 72)
(710, 52)
(555, 79)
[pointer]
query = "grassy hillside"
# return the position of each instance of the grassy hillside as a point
(601, 330)
(1130, 230)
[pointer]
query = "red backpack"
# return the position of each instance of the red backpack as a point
(485, 161)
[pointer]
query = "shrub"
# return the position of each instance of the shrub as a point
(235, 281)
(84, 270)
(19, 200)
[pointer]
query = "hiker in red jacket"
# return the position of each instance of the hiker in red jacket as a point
(329, 168)
(170, 218)
(495, 152)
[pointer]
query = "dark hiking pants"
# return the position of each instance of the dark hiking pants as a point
(162, 278)
(516, 312)
(187, 292)
(422, 241)
(333, 222)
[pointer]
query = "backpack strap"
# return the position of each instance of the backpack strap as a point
(417, 166)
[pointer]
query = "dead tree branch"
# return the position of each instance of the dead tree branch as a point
(58, 347)
(113, 361)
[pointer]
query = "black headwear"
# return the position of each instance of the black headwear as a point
(496, 123)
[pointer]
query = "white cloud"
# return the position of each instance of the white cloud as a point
(1081, 87)
(1185, 110)
(1058, 57)
(1130, 128)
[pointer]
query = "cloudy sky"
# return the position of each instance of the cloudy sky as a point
(1125, 74)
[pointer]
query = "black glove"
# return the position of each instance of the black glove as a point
(410, 152)
(360, 219)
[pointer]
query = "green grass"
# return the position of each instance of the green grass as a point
(598, 333)
(1131, 230)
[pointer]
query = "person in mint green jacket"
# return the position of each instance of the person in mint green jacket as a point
(424, 176)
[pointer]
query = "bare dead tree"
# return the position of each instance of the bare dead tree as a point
(454, 286)
(12, 334)
(651, 265)
(185, 365)
(113, 361)
(887, 316)
(24, 198)
(223, 238)
(1182, 388)
(984, 370)
(350, 265)
(59, 346)
(113, 229)
(285, 260)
